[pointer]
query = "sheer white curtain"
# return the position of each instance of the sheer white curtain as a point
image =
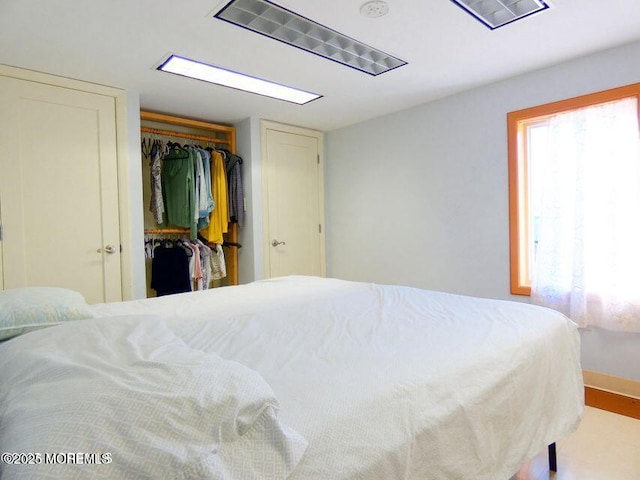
(587, 260)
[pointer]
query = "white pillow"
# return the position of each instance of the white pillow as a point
(25, 309)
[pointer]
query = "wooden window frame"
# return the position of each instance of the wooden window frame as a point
(519, 225)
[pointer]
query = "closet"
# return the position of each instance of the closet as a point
(178, 134)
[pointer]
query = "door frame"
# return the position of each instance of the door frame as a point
(319, 136)
(129, 262)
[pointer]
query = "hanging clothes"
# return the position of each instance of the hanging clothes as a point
(219, 217)
(233, 164)
(218, 265)
(155, 164)
(170, 270)
(198, 180)
(206, 203)
(190, 190)
(205, 257)
(173, 272)
(195, 266)
(178, 186)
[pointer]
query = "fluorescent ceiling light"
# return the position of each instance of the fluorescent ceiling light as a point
(274, 21)
(496, 13)
(227, 78)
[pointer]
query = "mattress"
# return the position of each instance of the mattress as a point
(383, 382)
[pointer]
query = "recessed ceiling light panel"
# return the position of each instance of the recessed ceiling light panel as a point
(496, 13)
(274, 21)
(239, 81)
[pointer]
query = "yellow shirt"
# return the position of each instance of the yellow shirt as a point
(219, 217)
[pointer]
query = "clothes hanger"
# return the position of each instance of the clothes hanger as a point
(146, 146)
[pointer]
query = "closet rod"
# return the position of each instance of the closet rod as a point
(169, 133)
(167, 230)
(185, 231)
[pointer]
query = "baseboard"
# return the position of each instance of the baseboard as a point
(614, 394)
(612, 402)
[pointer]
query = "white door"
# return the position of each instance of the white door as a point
(59, 190)
(294, 202)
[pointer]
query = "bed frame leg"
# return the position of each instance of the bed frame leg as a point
(553, 462)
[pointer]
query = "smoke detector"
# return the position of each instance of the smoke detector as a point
(374, 9)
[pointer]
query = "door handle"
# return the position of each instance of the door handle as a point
(110, 249)
(275, 243)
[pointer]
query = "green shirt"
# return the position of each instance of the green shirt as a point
(177, 182)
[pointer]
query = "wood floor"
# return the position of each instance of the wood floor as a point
(606, 446)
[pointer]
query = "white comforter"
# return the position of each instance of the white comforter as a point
(124, 398)
(388, 382)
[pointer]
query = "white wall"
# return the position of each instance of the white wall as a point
(420, 197)
(250, 256)
(417, 198)
(135, 208)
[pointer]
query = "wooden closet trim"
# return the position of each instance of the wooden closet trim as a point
(228, 131)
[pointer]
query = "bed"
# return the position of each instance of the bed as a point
(295, 377)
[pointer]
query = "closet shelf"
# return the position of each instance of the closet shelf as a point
(189, 136)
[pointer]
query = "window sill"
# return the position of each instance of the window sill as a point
(521, 290)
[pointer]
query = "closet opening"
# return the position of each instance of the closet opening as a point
(193, 203)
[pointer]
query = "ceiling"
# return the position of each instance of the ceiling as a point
(120, 42)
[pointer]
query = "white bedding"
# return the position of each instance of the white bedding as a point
(388, 382)
(140, 403)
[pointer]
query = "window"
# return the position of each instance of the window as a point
(528, 141)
